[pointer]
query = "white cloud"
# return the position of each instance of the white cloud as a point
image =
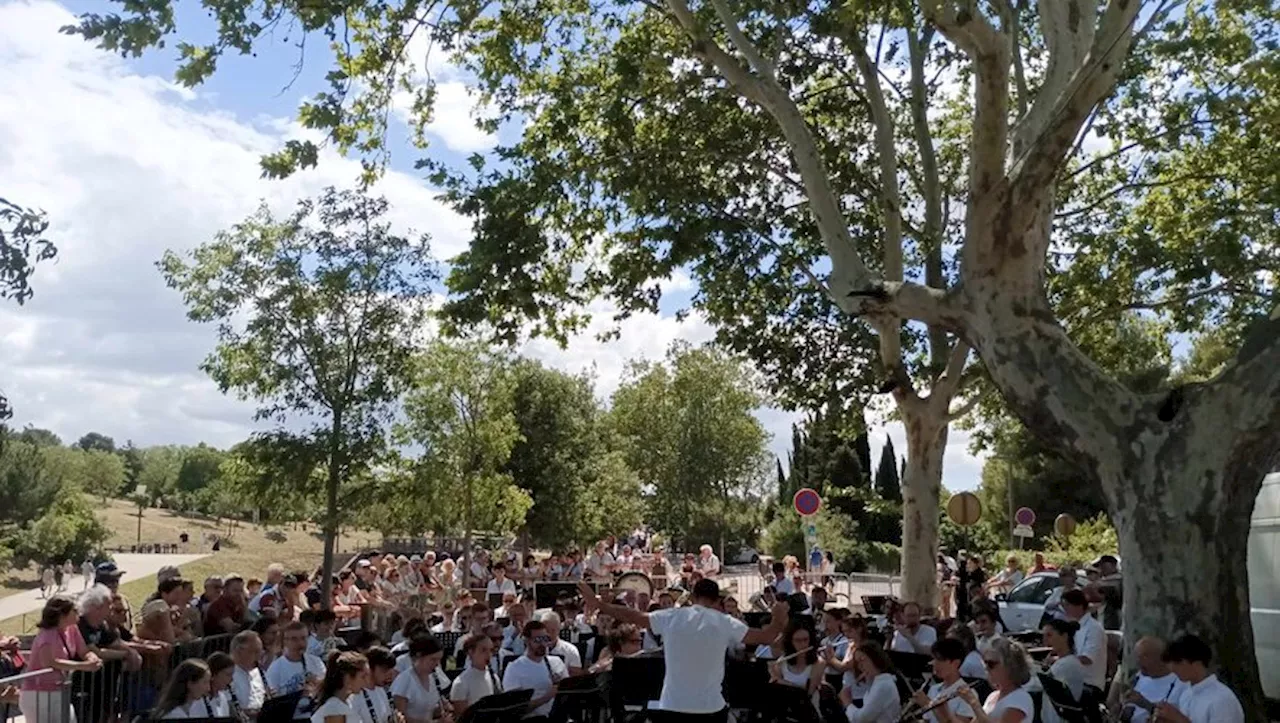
(128, 165)
(453, 117)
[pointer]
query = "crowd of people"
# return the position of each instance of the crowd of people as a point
(452, 647)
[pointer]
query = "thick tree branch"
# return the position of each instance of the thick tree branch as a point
(1247, 391)
(963, 24)
(1077, 80)
(1010, 17)
(755, 59)
(890, 194)
(848, 272)
(946, 386)
(964, 408)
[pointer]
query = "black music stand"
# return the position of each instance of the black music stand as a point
(579, 697)
(494, 600)
(507, 707)
(788, 703)
(756, 620)
(545, 594)
(636, 681)
(279, 709)
(746, 684)
(875, 604)
(913, 666)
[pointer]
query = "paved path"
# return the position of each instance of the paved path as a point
(134, 566)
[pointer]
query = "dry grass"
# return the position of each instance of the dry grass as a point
(246, 549)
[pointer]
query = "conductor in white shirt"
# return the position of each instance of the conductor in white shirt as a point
(911, 636)
(696, 639)
(1206, 699)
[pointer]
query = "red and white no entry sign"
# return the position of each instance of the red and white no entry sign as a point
(807, 502)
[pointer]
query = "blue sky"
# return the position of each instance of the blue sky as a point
(128, 165)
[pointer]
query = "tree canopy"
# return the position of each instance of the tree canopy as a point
(318, 317)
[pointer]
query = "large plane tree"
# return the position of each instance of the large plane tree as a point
(921, 178)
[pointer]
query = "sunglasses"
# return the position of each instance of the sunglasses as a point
(541, 638)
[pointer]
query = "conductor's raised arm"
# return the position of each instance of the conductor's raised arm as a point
(766, 635)
(591, 601)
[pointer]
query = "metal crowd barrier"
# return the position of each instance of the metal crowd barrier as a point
(842, 588)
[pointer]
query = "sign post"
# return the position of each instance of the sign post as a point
(807, 502)
(1025, 517)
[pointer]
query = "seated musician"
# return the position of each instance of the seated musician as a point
(1059, 637)
(972, 667)
(910, 636)
(478, 679)
(881, 703)
(854, 631)
(947, 656)
(799, 666)
(1009, 669)
(832, 636)
(624, 639)
(560, 648)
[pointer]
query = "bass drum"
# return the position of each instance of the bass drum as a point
(636, 582)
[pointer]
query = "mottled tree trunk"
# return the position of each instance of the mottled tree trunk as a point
(921, 487)
(1180, 468)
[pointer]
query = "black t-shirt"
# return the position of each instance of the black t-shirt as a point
(99, 637)
(362, 585)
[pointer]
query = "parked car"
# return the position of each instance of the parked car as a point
(744, 556)
(1022, 608)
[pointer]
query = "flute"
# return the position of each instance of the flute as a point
(933, 705)
(800, 652)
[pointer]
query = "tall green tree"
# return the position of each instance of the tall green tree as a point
(104, 473)
(200, 468)
(564, 460)
(884, 161)
(93, 440)
(887, 483)
(318, 316)
(460, 410)
(39, 437)
(687, 429)
(161, 465)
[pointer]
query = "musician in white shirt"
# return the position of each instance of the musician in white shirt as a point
(536, 671)
(1090, 640)
(248, 689)
(372, 704)
(1155, 682)
(947, 656)
(911, 636)
(880, 704)
(1206, 699)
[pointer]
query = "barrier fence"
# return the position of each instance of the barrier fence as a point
(842, 588)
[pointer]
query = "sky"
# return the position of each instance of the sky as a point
(127, 164)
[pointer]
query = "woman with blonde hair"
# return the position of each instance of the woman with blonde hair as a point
(1008, 670)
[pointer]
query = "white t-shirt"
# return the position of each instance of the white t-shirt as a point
(508, 586)
(926, 636)
(1091, 642)
(1070, 672)
(1019, 699)
(568, 652)
(248, 690)
(473, 684)
(696, 639)
(285, 677)
(524, 673)
(880, 704)
(785, 586)
(1209, 701)
(335, 707)
(372, 705)
(422, 699)
(972, 666)
(1157, 690)
(956, 706)
(478, 572)
(210, 706)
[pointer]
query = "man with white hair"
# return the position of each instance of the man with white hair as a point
(708, 563)
(95, 606)
(268, 597)
(563, 649)
(248, 688)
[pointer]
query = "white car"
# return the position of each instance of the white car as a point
(744, 556)
(1023, 607)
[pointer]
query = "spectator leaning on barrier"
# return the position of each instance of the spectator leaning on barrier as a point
(228, 613)
(58, 648)
(99, 636)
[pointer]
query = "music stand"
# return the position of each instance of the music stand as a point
(279, 709)
(545, 594)
(912, 665)
(495, 600)
(875, 604)
(507, 707)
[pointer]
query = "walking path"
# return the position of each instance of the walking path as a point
(134, 567)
